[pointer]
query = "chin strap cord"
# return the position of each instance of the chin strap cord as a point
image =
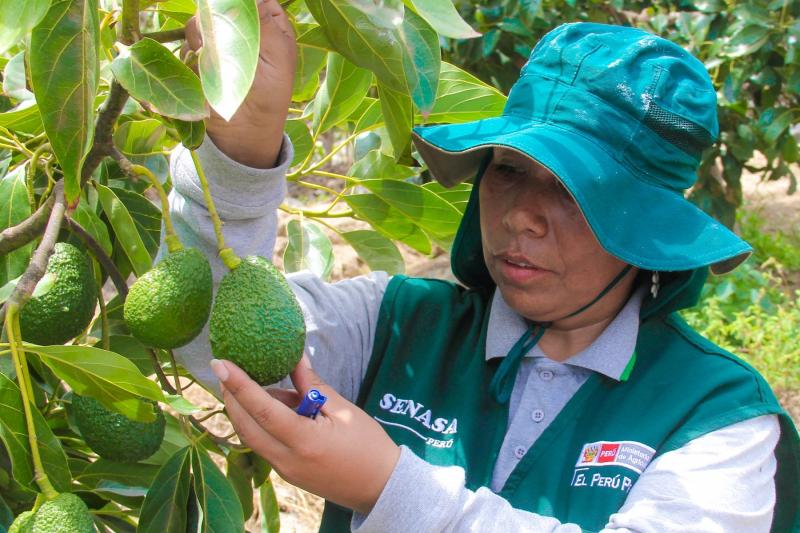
(502, 383)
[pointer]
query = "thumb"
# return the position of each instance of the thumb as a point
(305, 378)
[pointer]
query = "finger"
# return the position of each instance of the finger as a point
(271, 415)
(248, 430)
(193, 37)
(278, 15)
(287, 397)
(305, 378)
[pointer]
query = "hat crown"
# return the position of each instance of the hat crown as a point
(644, 99)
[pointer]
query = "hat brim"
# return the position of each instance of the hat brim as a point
(643, 224)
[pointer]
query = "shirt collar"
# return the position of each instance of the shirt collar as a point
(610, 354)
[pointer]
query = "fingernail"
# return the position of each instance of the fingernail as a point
(218, 367)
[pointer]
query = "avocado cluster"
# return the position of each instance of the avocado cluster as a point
(168, 306)
(256, 321)
(66, 513)
(64, 300)
(114, 436)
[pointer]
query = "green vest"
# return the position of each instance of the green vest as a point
(428, 381)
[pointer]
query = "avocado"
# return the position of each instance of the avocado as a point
(114, 436)
(169, 305)
(256, 321)
(66, 513)
(22, 523)
(64, 300)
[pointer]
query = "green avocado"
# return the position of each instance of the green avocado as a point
(256, 321)
(66, 513)
(23, 523)
(169, 305)
(64, 300)
(114, 436)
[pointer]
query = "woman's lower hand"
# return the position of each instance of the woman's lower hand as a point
(343, 455)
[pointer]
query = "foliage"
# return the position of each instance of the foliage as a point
(750, 49)
(752, 312)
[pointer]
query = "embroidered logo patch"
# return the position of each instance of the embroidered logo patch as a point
(629, 454)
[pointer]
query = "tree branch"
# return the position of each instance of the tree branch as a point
(30, 228)
(100, 254)
(36, 268)
(104, 129)
(130, 22)
(167, 36)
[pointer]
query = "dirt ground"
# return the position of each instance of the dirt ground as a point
(300, 511)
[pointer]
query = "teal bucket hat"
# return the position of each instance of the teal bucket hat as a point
(621, 117)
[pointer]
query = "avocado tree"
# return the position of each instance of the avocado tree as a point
(93, 418)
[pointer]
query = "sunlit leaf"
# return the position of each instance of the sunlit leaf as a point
(228, 59)
(376, 164)
(398, 113)
(389, 221)
(192, 133)
(462, 98)
(308, 248)
(88, 219)
(345, 87)
(151, 73)
(17, 17)
(141, 137)
(443, 17)
(376, 250)
(221, 510)
(270, 511)
(310, 61)
(110, 378)
(24, 118)
(65, 73)
(15, 79)
(298, 132)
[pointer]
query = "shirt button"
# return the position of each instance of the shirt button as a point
(537, 415)
(546, 375)
(519, 452)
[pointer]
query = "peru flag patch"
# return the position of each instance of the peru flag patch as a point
(627, 453)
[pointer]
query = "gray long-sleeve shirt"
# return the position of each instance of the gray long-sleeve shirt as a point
(722, 481)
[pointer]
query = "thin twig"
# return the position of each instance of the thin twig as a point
(30, 228)
(36, 268)
(167, 36)
(99, 254)
(162, 378)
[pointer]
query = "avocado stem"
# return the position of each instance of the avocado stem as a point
(227, 255)
(21, 366)
(172, 240)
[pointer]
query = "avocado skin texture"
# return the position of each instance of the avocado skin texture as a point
(256, 321)
(22, 523)
(114, 436)
(66, 513)
(67, 308)
(169, 305)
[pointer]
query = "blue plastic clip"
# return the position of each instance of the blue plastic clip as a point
(311, 404)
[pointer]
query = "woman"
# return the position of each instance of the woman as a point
(558, 391)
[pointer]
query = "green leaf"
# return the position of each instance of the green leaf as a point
(14, 78)
(192, 133)
(368, 115)
(110, 378)
(270, 512)
(242, 468)
(376, 250)
(443, 17)
(345, 87)
(17, 18)
(65, 73)
(141, 137)
(103, 471)
(303, 143)
(146, 216)
(151, 73)
(422, 60)
(8, 288)
(231, 35)
(14, 435)
(423, 206)
(310, 61)
(308, 248)
(88, 219)
(219, 504)
(776, 128)
(164, 507)
(398, 112)
(124, 229)
(132, 349)
(14, 208)
(181, 405)
(746, 41)
(457, 196)
(313, 36)
(24, 118)
(463, 98)
(389, 221)
(376, 164)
